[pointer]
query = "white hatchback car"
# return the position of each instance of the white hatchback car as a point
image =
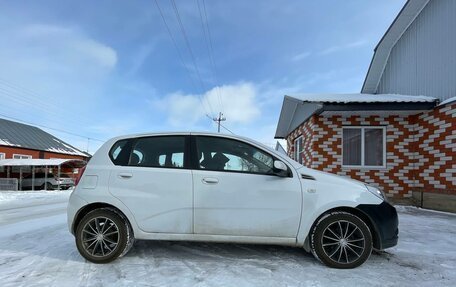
(221, 188)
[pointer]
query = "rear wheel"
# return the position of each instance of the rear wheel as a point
(103, 235)
(341, 240)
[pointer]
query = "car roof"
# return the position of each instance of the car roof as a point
(180, 133)
(197, 133)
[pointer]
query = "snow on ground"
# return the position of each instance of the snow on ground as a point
(16, 198)
(36, 249)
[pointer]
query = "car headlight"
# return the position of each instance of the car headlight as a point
(375, 191)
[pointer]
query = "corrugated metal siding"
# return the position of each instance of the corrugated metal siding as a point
(423, 61)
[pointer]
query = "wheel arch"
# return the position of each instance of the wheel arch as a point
(93, 206)
(376, 241)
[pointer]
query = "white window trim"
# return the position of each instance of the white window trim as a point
(2, 155)
(362, 166)
(23, 156)
(296, 154)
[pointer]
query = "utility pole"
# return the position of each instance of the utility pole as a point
(219, 119)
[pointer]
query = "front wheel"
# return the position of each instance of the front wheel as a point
(103, 235)
(341, 240)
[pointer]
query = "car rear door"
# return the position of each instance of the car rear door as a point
(236, 192)
(155, 183)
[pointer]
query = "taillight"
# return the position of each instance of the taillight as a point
(81, 172)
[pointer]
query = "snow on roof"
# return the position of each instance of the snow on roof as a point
(447, 101)
(362, 98)
(41, 162)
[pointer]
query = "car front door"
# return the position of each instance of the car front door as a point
(155, 183)
(237, 193)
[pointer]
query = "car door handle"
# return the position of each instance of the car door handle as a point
(125, 175)
(210, 180)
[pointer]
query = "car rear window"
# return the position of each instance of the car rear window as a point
(120, 152)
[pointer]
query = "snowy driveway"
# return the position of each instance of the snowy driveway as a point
(37, 250)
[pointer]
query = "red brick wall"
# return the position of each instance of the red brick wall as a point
(436, 150)
(9, 151)
(421, 150)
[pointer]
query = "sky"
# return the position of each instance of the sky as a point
(99, 69)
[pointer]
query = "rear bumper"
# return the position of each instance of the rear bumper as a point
(75, 203)
(385, 222)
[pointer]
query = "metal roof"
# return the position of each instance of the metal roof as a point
(382, 51)
(297, 109)
(42, 162)
(15, 134)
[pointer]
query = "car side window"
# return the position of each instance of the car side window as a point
(158, 151)
(231, 155)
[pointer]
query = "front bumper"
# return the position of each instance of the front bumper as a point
(385, 222)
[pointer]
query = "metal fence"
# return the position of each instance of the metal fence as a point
(9, 184)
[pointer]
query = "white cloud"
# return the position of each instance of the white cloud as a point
(54, 75)
(103, 55)
(301, 56)
(330, 50)
(238, 103)
(69, 42)
(346, 46)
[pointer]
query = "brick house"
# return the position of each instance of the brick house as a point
(400, 131)
(21, 141)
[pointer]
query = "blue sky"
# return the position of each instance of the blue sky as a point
(106, 68)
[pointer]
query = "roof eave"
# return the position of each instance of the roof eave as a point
(392, 106)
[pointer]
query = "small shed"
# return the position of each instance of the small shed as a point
(11, 169)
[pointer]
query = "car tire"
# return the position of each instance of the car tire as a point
(341, 240)
(103, 235)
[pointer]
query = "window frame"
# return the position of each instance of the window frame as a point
(301, 151)
(2, 155)
(22, 156)
(196, 165)
(362, 165)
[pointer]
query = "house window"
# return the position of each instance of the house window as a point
(364, 146)
(21, 156)
(298, 149)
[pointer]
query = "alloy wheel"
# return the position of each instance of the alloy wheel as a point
(100, 236)
(343, 242)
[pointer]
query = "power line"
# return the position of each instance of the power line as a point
(192, 55)
(210, 48)
(50, 128)
(25, 96)
(27, 93)
(227, 129)
(180, 54)
(34, 105)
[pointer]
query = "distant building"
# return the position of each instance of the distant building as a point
(21, 141)
(400, 131)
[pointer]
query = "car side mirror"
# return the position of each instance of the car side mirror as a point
(280, 168)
